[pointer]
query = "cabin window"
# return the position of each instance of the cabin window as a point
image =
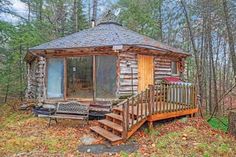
(106, 76)
(55, 78)
(174, 69)
(80, 77)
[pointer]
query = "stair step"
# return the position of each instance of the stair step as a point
(115, 116)
(111, 124)
(106, 134)
(121, 110)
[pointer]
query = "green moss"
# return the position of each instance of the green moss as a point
(124, 154)
(217, 124)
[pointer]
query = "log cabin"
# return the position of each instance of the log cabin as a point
(101, 65)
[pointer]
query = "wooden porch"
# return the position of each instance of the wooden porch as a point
(158, 102)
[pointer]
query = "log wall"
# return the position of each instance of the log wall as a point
(37, 73)
(125, 76)
(162, 68)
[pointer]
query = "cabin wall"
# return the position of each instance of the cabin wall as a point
(162, 69)
(36, 79)
(126, 74)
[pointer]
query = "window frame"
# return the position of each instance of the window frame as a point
(177, 70)
(63, 81)
(65, 92)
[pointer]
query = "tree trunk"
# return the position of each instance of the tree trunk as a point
(232, 122)
(160, 20)
(196, 57)
(75, 16)
(29, 10)
(230, 36)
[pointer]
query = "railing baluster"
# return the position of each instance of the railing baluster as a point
(151, 99)
(157, 97)
(192, 104)
(161, 97)
(138, 103)
(173, 97)
(123, 121)
(127, 113)
(168, 98)
(176, 98)
(179, 91)
(142, 105)
(184, 99)
(146, 101)
(187, 96)
(195, 97)
(164, 98)
(132, 108)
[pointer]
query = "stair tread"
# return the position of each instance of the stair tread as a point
(106, 134)
(120, 109)
(115, 116)
(111, 124)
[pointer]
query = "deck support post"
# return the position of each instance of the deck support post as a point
(150, 125)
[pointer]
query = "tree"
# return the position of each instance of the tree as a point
(230, 35)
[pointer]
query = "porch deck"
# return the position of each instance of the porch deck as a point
(156, 103)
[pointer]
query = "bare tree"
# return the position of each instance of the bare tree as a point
(230, 35)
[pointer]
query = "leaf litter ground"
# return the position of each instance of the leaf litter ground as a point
(22, 134)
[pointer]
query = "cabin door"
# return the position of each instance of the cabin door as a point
(145, 72)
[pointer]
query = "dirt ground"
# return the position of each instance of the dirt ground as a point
(22, 134)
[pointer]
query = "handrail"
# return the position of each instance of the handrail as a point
(160, 98)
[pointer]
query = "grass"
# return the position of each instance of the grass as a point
(21, 132)
(191, 138)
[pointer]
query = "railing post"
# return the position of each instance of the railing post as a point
(151, 102)
(124, 118)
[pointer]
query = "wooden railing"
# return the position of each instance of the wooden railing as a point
(156, 99)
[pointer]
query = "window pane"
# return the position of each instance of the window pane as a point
(174, 67)
(55, 78)
(80, 77)
(106, 76)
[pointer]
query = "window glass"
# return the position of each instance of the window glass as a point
(174, 68)
(106, 76)
(55, 78)
(80, 77)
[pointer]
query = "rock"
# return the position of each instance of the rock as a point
(183, 120)
(184, 138)
(24, 107)
(153, 145)
(185, 135)
(87, 140)
(88, 150)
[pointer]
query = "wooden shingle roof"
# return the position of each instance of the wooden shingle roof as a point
(105, 34)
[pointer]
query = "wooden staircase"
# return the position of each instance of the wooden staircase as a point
(111, 127)
(128, 116)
